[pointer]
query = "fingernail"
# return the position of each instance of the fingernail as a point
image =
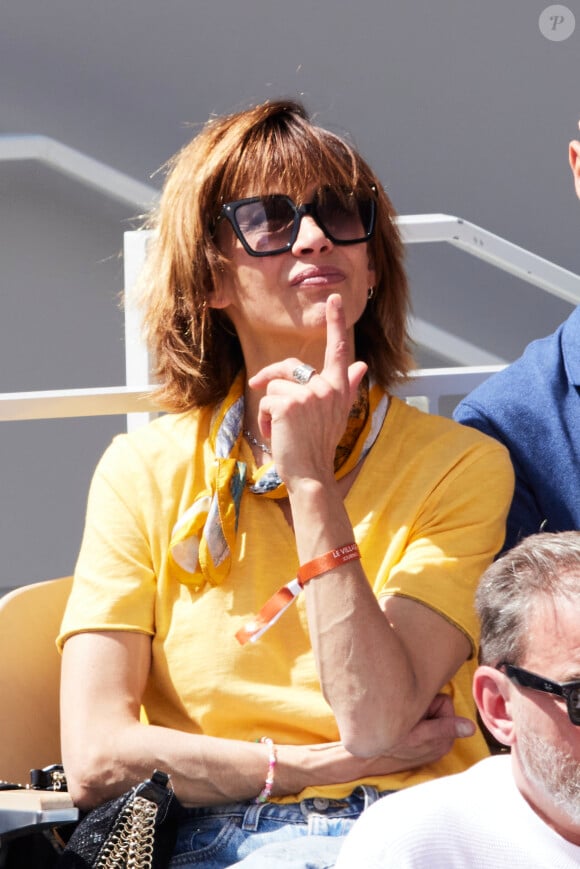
(465, 728)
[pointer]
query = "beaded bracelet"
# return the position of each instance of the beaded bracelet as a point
(264, 794)
(326, 562)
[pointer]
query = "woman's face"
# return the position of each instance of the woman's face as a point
(277, 303)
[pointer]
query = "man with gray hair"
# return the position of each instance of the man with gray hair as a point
(517, 809)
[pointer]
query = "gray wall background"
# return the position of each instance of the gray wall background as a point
(463, 107)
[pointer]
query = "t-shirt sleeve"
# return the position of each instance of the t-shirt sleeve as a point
(114, 586)
(455, 535)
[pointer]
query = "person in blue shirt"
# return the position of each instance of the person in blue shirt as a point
(533, 408)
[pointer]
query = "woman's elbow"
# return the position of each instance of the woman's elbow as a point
(92, 779)
(368, 737)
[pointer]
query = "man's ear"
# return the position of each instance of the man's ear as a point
(574, 157)
(491, 691)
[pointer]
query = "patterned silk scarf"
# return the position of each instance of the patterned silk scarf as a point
(203, 538)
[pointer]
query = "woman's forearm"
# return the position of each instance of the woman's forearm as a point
(378, 670)
(364, 671)
(209, 771)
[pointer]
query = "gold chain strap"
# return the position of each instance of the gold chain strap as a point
(130, 844)
(143, 834)
(58, 778)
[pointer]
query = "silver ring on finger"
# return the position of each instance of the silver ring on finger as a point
(302, 373)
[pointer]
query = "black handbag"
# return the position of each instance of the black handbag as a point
(137, 829)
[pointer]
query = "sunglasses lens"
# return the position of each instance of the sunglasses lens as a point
(270, 224)
(267, 224)
(574, 705)
(345, 216)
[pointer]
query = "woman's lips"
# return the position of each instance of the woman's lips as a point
(317, 276)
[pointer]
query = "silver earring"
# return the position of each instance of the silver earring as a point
(370, 293)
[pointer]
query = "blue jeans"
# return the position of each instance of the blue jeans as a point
(304, 835)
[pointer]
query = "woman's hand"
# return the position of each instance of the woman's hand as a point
(431, 739)
(305, 421)
(433, 736)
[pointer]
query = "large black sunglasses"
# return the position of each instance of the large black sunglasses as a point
(570, 691)
(269, 225)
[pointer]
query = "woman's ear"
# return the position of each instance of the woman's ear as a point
(574, 157)
(219, 296)
(491, 691)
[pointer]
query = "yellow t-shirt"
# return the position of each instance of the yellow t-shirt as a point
(428, 510)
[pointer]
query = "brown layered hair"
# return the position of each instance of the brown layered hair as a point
(195, 350)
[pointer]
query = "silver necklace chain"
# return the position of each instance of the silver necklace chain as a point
(255, 442)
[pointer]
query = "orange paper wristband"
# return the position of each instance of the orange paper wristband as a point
(326, 562)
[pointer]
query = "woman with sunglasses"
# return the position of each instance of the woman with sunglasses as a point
(273, 598)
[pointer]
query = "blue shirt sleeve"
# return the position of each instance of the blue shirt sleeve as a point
(525, 516)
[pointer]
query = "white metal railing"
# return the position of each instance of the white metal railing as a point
(80, 167)
(480, 243)
(66, 403)
(427, 388)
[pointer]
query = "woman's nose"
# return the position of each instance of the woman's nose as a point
(310, 238)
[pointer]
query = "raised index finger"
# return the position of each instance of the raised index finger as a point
(336, 355)
(338, 370)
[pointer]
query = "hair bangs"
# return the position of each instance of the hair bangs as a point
(288, 156)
